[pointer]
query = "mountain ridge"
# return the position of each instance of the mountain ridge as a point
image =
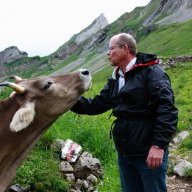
(93, 40)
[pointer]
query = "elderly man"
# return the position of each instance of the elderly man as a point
(140, 96)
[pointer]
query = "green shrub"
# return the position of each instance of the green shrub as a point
(40, 172)
(188, 173)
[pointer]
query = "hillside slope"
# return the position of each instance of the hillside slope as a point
(172, 40)
(167, 41)
(153, 26)
(167, 11)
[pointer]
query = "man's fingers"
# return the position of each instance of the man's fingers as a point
(153, 162)
(154, 158)
(149, 162)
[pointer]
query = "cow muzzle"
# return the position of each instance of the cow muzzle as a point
(86, 77)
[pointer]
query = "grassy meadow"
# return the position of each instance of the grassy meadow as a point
(40, 170)
(171, 40)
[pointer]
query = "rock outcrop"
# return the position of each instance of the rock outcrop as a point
(172, 61)
(79, 167)
(172, 11)
(82, 42)
(79, 51)
(97, 25)
(11, 54)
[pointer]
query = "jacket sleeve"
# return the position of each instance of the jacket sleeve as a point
(162, 102)
(93, 106)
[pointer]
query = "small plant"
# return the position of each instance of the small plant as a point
(40, 172)
(188, 173)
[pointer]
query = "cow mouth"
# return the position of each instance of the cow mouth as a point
(89, 86)
(86, 78)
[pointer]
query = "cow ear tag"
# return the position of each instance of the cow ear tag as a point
(23, 117)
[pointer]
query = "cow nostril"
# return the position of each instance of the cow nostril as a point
(85, 72)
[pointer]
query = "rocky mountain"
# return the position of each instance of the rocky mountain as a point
(84, 40)
(81, 50)
(96, 36)
(168, 11)
(16, 62)
(11, 54)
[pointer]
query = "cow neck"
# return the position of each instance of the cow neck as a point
(10, 102)
(8, 107)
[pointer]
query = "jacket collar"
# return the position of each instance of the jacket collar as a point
(143, 60)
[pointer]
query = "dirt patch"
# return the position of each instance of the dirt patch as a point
(175, 184)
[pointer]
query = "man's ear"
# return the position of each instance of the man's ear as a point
(23, 117)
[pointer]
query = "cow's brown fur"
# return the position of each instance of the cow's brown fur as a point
(14, 146)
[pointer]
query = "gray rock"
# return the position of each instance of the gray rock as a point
(11, 54)
(182, 167)
(87, 165)
(85, 184)
(57, 145)
(17, 188)
(84, 41)
(91, 189)
(66, 167)
(92, 179)
(176, 11)
(70, 177)
(180, 137)
(75, 190)
(99, 23)
(79, 184)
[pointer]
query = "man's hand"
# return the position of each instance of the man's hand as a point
(155, 157)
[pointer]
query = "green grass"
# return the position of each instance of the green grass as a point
(40, 170)
(182, 85)
(172, 40)
(5, 92)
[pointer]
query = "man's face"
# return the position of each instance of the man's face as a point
(115, 52)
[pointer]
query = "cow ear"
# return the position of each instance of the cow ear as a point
(23, 117)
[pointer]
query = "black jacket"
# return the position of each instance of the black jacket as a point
(144, 107)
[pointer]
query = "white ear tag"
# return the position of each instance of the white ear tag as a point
(23, 117)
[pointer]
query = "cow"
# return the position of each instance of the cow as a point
(33, 106)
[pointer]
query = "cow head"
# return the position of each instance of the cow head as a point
(46, 97)
(33, 106)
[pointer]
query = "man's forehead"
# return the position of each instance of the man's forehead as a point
(114, 40)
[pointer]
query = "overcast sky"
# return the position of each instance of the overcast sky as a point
(40, 27)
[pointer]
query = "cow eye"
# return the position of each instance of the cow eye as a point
(48, 84)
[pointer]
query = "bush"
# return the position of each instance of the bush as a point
(188, 173)
(40, 172)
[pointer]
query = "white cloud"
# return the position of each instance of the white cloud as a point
(39, 27)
